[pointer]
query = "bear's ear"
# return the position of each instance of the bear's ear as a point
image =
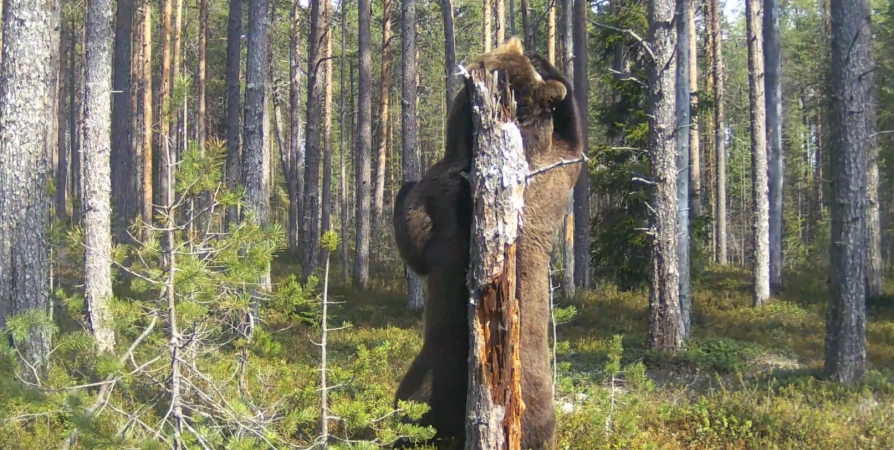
(553, 91)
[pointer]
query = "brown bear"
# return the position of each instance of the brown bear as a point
(432, 223)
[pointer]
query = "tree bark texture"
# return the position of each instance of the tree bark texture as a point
(449, 53)
(382, 138)
(775, 158)
(759, 183)
(234, 131)
(295, 174)
(326, 188)
(97, 173)
(551, 31)
(309, 234)
(124, 196)
(146, 87)
(527, 24)
(410, 158)
(568, 255)
(202, 76)
(165, 147)
(582, 188)
(62, 172)
(500, 23)
(665, 332)
(494, 398)
(695, 173)
(364, 144)
(177, 139)
(31, 38)
(683, 133)
(719, 131)
(851, 135)
(343, 183)
(254, 171)
(486, 28)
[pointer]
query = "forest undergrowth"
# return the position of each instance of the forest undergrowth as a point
(748, 378)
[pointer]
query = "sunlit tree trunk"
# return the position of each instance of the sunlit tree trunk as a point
(719, 132)
(695, 174)
(309, 234)
(31, 41)
(146, 87)
(326, 190)
(164, 99)
(487, 26)
(665, 332)
(362, 167)
(759, 182)
(682, 136)
(234, 131)
(550, 31)
(382, 130)
(500, 23)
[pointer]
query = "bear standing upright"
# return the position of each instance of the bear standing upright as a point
(432, 225)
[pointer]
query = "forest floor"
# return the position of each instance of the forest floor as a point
(748, 378)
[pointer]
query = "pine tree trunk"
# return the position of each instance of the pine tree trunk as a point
(683, 141)
(362, 168)
(719, 132)
(550, 32)
(773, 60)
(512, 17)
(851, 134)
(75, 124)
(177, 139)
(295, 178)
(343, 184)
(202, 76)
(234, 131)
(165, 146)
(759, 183)
(695, 169)
(123, 197)
(568, 255)
(97, 173)
(410, 158)
(31, 39)
(665, 332)
(62, 171)
(494, 398)
(146, 86)
(500, 23)
(486, 28)
(449, 52)
(309, 235)
(528, 24)
(710, 187)
(382, 138)
(326, 189)
(582, 188)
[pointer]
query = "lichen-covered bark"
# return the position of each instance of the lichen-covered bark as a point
(498, 179)
(665, 332)
(31, 38)
(759, 182)
(851, 135)
(97, 173)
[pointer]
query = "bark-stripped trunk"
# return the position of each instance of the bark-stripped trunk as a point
(695, 172)
(411, 160)
(362, 168)
(527, 24)
(146, 86)
(759, 183)
(31, 31)
(719, 132)
(775, 173)
(295, 174)
(852, 130)
(123, 197)
(494, 398)
(309, 234)
(682, 142)
(582, 188)
(486, 28)
(97, 173)
(665, 332)
(234, 131)
(382, 131)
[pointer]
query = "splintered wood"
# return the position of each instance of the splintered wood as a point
(499, 171)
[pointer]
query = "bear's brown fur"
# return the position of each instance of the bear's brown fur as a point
(432, 222)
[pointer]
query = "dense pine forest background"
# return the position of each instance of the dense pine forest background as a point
(196, 247)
